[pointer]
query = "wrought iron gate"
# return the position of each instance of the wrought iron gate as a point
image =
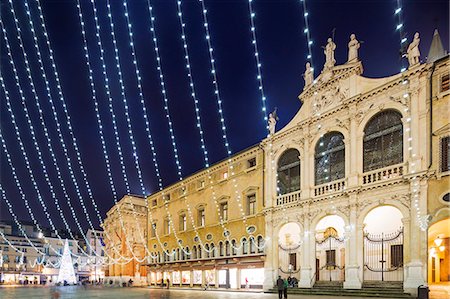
(330, 259)
(383, 256)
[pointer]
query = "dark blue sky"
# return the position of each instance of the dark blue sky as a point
(282, 46)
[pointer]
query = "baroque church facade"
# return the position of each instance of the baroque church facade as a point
(341, 194)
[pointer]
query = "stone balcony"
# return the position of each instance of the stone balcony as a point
(383, 174)
(330, 188)
(288, 198)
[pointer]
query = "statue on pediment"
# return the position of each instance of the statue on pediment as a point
(329, 54)
(413, 52)
(353, 46)
(272, 121)
(308, 75)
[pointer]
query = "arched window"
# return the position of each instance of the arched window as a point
(383, 140)
(207, 250)
(261, 244)
(330, 158)
(188, 255)
(220, 248)
(227, 248)
(233, 247)
(194, 252)
(177, 257)
(199, 252)
(289, 171)
(244, 246)
(213, 250)
(251, 242)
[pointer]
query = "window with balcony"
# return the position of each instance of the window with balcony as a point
(330, 158)
(251, 204)
(289, 172)
(445, 154)
(383, 141)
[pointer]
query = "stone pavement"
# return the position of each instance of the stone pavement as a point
(137, 293)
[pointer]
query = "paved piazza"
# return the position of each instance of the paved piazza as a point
(134, 293)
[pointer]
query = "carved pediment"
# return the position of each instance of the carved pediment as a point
(327, 98)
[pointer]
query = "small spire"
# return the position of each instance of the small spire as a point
(436, 48)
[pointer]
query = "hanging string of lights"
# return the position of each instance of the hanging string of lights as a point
(48, 138)
(307, 33)
(171, 131)
(127, 116)
(398, 12)
(415, 188)
(40, 157)
(191, 83)
(214, 76)
(222, 121)
(258, 60)
(101, 133)
(116, 132)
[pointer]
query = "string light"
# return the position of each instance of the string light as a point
(415, 185)
(48, 138)
(307, 32)
(191, 83)
(100, 129)
(214, 76)
(257, 59)
(163, 89)
(127, 116)
(40, 156)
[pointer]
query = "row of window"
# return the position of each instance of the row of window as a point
(201, 183)
(224, 249)
(250, 203)
(382, 147)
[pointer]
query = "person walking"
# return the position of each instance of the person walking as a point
(168, 282)
(285, 288)
(280, 286)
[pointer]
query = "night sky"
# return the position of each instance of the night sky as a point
(282, 49)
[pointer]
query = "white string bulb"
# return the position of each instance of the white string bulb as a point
(191, 83)
(214, 77)
(258, 61)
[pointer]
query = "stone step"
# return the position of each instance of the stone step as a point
(348, 292)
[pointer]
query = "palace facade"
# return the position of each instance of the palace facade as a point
(343, 193)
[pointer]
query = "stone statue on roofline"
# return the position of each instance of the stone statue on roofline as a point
(272, 122)
(413, 52)
(308, 75)
(353, 47)
(329, 54)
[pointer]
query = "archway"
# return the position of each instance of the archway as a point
(439, 253)
(330, 249)
(383, 244)
(289, 243)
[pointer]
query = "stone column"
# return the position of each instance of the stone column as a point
(306, 273)
(416, 248)
(271, 252)
(354, 155)
(238, 277)
(352, 280)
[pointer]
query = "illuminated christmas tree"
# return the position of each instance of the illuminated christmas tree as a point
(66, 271)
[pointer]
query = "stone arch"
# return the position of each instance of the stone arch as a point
(324, 214)
(391, 202)
(397, 107)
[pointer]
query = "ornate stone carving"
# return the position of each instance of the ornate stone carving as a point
(325, 99)
(343, 123)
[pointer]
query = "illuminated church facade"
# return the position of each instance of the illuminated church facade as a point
(342, 195)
